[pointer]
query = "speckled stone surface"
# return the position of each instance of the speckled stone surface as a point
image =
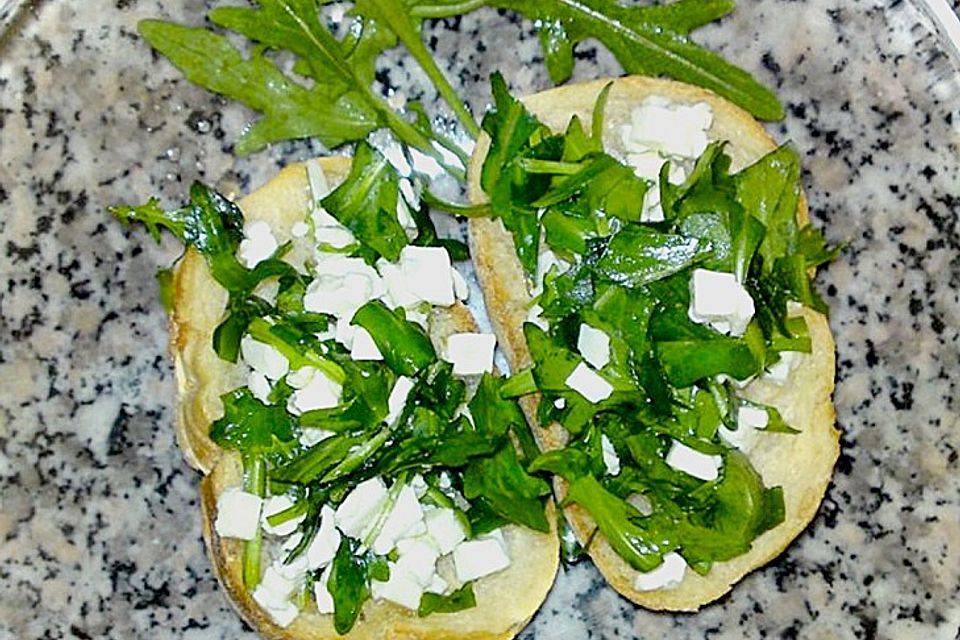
(99, 522)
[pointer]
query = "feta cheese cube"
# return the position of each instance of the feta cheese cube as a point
(317, 179)
(238, 514)
(323, 547)
(337, 237)
(427, 273)
(398, 293)
(477, 558)
(589, 384)
(668, 574)
(780, 372)
(274, 505)
(437, 585)
(299, 229)
(360, 508)
(273, 595)
(310, 436)
(444, 528)
(560, 403)
(417, 558)
(342, 285)
(405, 520)
(295, 571)
(264, 358)
(404, 217)
(363, 347)
(398, 398)
(471, 353)
(535, 316)
(547, 260)
(257, 245)
(259, 386)
(694, 463)
(419, 486)
(672, 128)
(749, 419)
(402, 589)
(320, 593)
(610, 458)
(717, 299)
(594, 345)
(318, 392)
(460, 287)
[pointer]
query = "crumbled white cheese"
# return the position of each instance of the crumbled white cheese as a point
(342, 285)
(444, 528)
(264, 358)
(428, 274)
(749, 419)
(238, 514)
(398, 398)
(546, 260)
(471, 353)
(405, 521)
(257, 245)
(535, 316)
(672, 128)
(437, 585)
(259, 386)
(321, 594)
(319, 392)
(417, 557)
(361, 506)
(594, 345)
(610, 458)
(589, 384)
(560, 403)
(413, 573)
(717, 299)
(647, 164)
(363, 347)
(668, 574)
(325, 543)
(338, 237)
(402, 588)
(299, 229)
(692, 462)
(404, 216)
(294, 571)
(273, 595)
(327, 229)
(398, 293)
(271, 507)
(480, 557)
(291, 542)
(310, 436)
(460, 287)
(419, 486)
(780, 372)
(345, 331)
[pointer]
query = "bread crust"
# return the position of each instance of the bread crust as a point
(802, 464)
(505, 601)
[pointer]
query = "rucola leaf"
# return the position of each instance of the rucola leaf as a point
(648, 40)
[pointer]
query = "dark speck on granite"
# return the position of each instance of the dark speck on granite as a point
(99, 517)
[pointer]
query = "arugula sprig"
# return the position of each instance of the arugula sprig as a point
(340, 106)
(337, 103)
(649, 40)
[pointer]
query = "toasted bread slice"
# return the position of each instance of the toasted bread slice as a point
(802, 464)
(505, 601)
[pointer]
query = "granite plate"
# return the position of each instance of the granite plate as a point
(99, 526)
